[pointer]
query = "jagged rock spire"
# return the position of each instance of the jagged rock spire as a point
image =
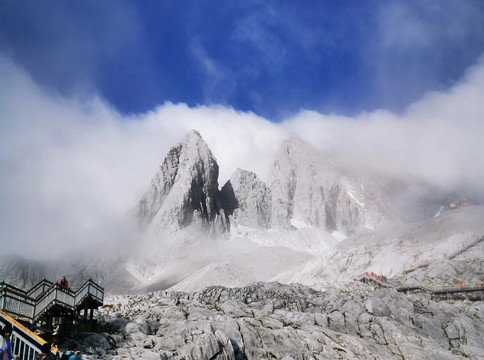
(186, 185)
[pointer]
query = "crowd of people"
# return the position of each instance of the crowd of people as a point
(377, 277)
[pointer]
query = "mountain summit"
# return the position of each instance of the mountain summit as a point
(184, 190)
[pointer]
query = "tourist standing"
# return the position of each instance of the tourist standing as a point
(5, 346)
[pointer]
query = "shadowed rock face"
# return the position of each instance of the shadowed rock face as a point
(274, 321)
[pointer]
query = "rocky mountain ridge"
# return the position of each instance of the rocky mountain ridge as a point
(309, 206)
(306, 189)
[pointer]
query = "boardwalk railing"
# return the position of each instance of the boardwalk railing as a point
(469, 291)
(474, 291)
(25, 343)
(33, 303)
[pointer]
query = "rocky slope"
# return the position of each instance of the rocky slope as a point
(274, 321)
(402, 247)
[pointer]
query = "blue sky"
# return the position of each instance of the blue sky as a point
(269, 57)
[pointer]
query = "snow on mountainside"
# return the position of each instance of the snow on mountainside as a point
(222, 254)
(306, 190)
(197, 235)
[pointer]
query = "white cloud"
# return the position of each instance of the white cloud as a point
(72, 168)
(437, 138)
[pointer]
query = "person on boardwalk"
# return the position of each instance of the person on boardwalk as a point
(76, 356)
(71, 352)
(64, 282)
(5, 346)
(45, 353)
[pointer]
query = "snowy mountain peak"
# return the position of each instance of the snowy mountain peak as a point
(184, 189)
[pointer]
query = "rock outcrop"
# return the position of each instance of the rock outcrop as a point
(306, 189)
(274, 321)
(253, 200)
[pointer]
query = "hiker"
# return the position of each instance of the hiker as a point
(5, 346)
(64, 282)
(76, 356)
(71, 352)
(45, 353)
(54, 349)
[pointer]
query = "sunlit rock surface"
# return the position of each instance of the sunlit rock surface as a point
(253, 200)
(274, 321)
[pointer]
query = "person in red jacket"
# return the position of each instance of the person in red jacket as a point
(64, 282)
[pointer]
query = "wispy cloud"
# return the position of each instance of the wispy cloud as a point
(218, 83)
(263, 44)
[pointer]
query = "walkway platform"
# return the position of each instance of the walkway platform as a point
(34, 309)
(49, 299)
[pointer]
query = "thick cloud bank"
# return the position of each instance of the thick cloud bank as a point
(73, 167)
